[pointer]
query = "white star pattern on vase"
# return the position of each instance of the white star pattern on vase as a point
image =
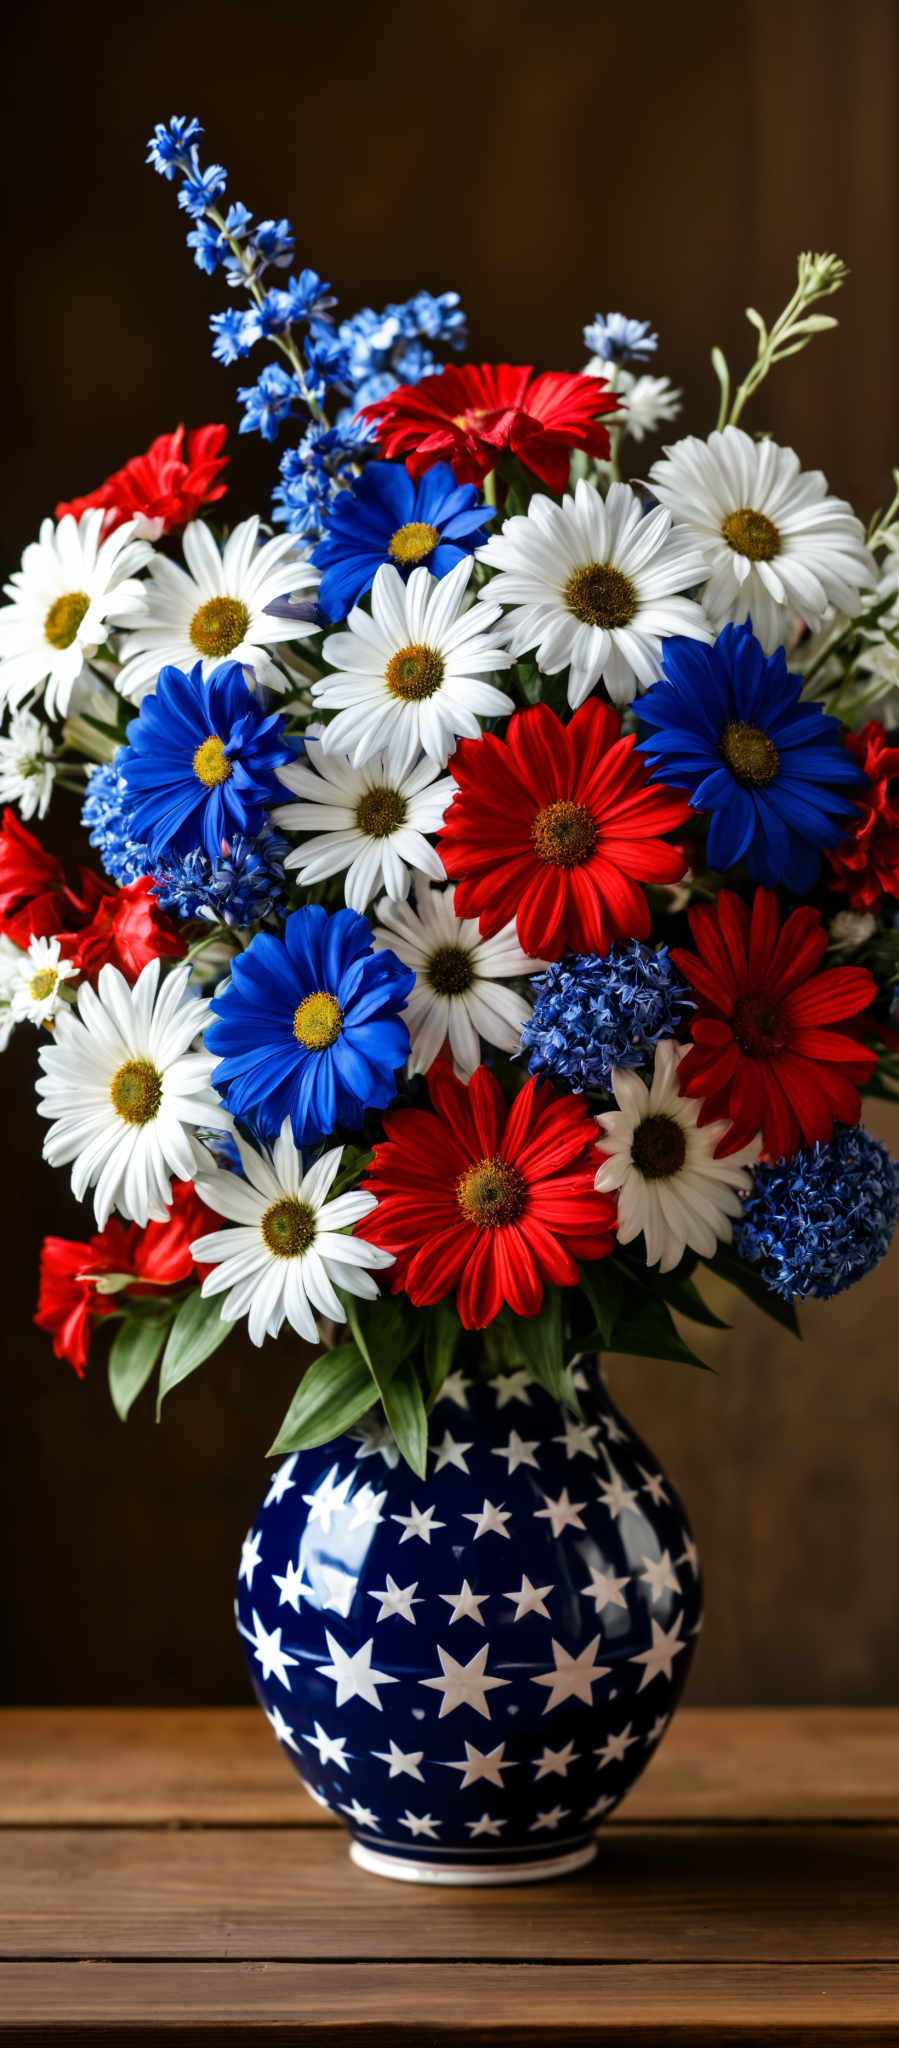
(512, 1386)
(465, 1604)
(660, 1656)
(490, 1521)
(480, 1764)
(660, 1576)
(328, 1498)
(403, 1764)
(362, 1815)
(281, 1728)
(418, 1523)
(249, 1556)
(578, 1438)
(516, 1452)
(292, 1587)
(653, 1484)
(420, 1824)
(282, 1481)
(330, 1748)
(550, 1819)
(266, 1645)
(615, 1747)
(354, 1676)
(464, 1685)
(605, 1590)
(554, 1761)
(449, 1452)
(530, 1599)
(573, 1677)
(396, 1600)
(562, 1513)
(486, 1825)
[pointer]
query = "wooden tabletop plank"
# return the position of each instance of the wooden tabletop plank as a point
(696, 1895)
(482, 2003)
(222, 1766)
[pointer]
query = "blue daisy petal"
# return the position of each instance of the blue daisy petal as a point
(382, 517)
(201, 763)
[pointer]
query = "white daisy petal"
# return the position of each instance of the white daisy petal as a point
(69, 588)
(456, 994)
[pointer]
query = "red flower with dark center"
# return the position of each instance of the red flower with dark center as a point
(127, 929)
(469, 415)
(866, 863)
(490, 1202)
(72, 1296)
(764, 1052)
(164, 488)
(557, 826)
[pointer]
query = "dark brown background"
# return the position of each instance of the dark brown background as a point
(668, 159)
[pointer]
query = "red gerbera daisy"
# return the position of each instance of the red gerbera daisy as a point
(557, 826)
(163, 488)
(763, 1051)
(866, 863)
(468, 415)
(488, 1201)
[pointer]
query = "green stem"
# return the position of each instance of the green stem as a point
(285, 343)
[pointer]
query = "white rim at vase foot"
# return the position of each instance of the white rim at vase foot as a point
(533, 1870)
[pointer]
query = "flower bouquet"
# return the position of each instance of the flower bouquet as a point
(493, 929)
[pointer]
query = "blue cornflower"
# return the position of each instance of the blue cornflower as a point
(201, 189)
(308, 1026)
(774, 773)
(385, 517)
(233, 333)
(311, 474)
(307, 297)
(592, 1015)
(201, 761)
(269, 401)
(620, 340)
(819, 1221)
(173, 143)
(236, 888)
(108, 818)
(273, 242)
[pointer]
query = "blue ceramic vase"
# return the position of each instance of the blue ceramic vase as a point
(472, 1670)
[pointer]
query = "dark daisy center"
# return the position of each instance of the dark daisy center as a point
(288, 1227)
(380, 812)
(757, 1025)
(317, 1021)
(564, 834)
(752, 534)
(600, 595)
(750, 755)
(658, 1148)
(219, 626)
(64, 618)
(450, 971)
(211, 764)
(136, 1092)
(491, 1193)
(43, 983)
(413, 542)
(414, 673)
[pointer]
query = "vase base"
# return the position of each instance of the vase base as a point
(530, 1870)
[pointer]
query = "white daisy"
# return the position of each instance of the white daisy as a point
(34, 996)
(289, 1248)
(663, 1166)
(649, 402)
(592, 583)
(61, 603)
(10, 964)
(413, 672)
(216, 608)
(27, 773)
(458, 994)
(122, 1082)
(775, 542)
(369, 821)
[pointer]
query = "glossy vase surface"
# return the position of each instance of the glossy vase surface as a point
(472, 1669)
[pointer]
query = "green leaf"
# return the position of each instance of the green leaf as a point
(749, 1281)
(197, 1331)
(608, 1288)
(406, 1413)
(632, 1314)
(131, 1360)
(442, 1331)
(333, 1393)
(683, 1295)
(647, 1330)
(540, 1342)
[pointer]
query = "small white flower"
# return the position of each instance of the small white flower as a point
(648, 402)
(27, 773)
(62, 601)
(662, 1165)
(216, 608)
(412, 673)
(458, 994)
(10, 966)
(775, 542)
(592, 583)
(122, 1085)
(35, 992)
(369, 821)
(289, 1249)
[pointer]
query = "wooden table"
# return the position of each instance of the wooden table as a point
(165, 1879)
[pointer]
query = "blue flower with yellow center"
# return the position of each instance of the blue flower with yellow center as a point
(201, 762)
(385, 517)
(308, 1026)
(774, 773)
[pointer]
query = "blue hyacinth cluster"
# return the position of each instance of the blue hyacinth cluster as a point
(591, 1015)
(617, 339)
(818, 1222)
(238, 888)
(358, 359)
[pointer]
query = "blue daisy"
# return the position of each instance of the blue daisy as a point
(308, 1026)
(201, 762)
(774, 773)
(385, 517)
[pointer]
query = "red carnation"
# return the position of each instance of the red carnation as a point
(127, 929)
(162, 489)
(467, 416)
(866, 862)
(70, 1301)
(490, 1201)
(763, 1050)
(557, 826)
(33, 894)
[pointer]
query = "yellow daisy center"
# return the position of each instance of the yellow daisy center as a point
(414, 673)
(64, 618)
(450, 971)
(43, 983)
(491, 1193)
(211, 763)
(600, 595)
(752, 534)
(750, 755)
(380, 812)
(288, 1228)
(564, 834)
(219, 626)
(136, 1092)
(658, 1147)
(317, 1021)
(413, 542)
